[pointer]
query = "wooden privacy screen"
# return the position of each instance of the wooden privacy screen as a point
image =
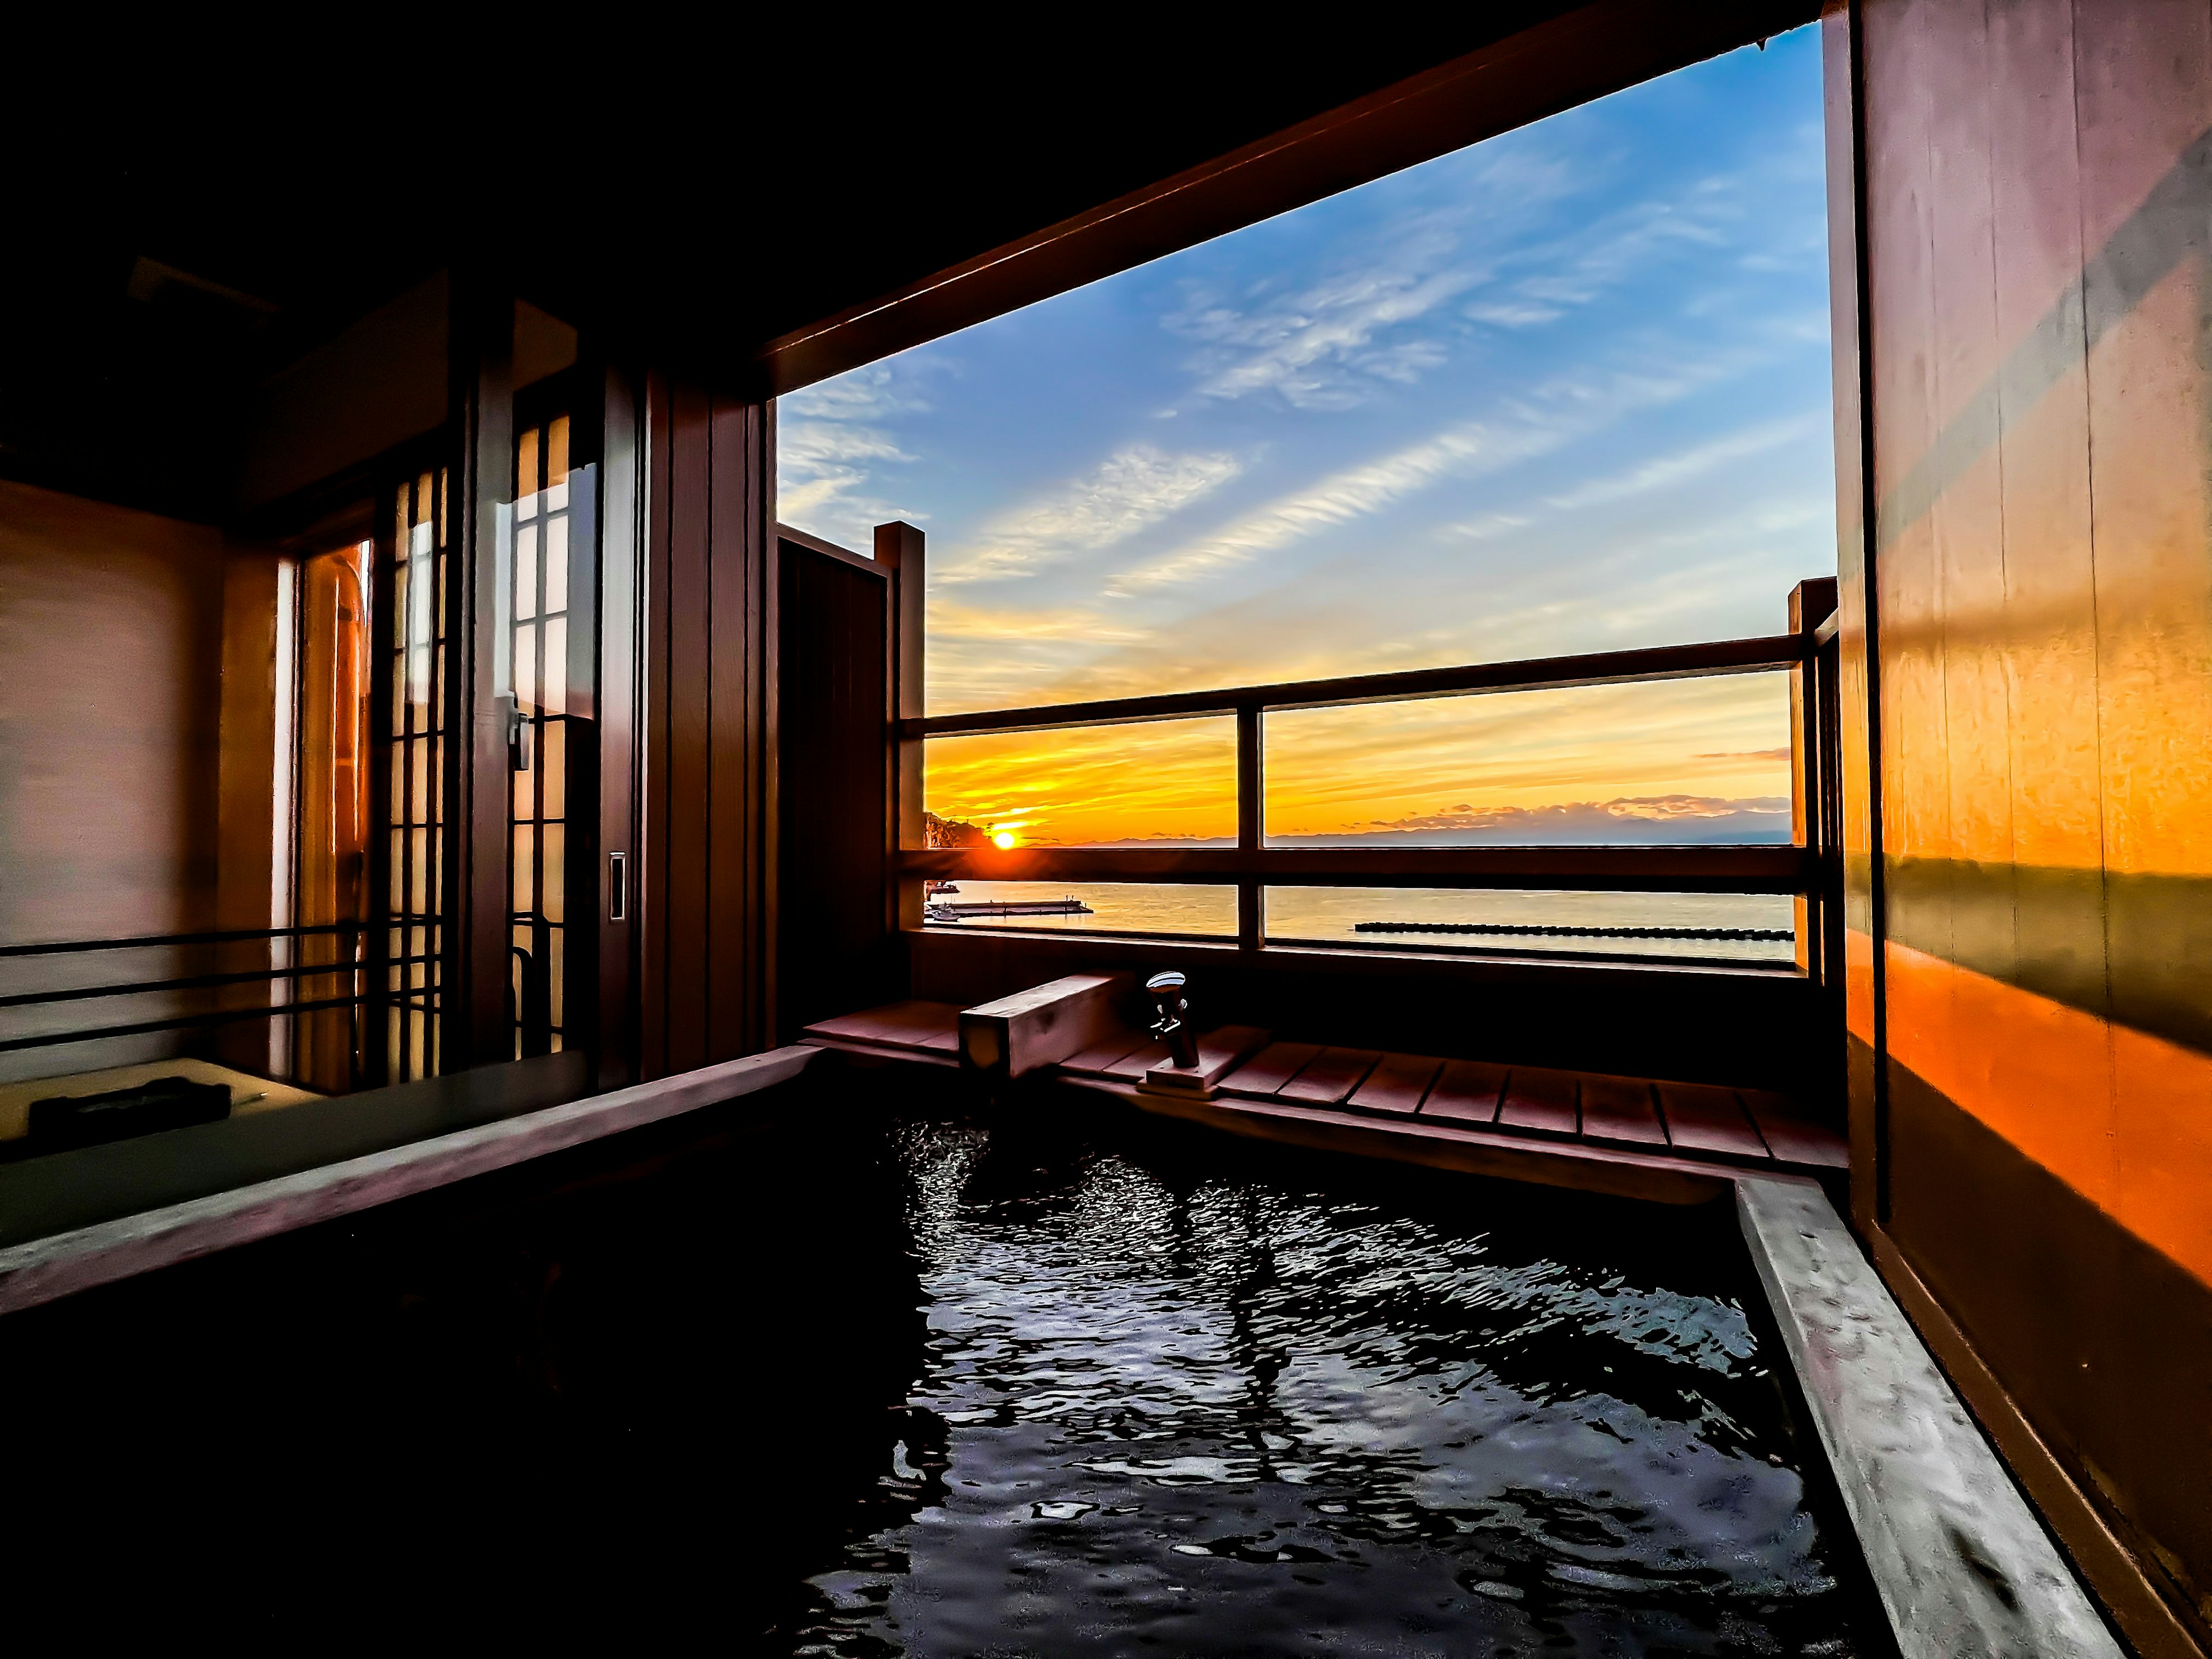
(2021, 346)
(703, 913)
(833, 787)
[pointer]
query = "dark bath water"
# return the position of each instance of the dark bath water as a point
(846, 1371)
(1176, 1398)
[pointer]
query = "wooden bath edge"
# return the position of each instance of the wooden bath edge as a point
(61, 1264)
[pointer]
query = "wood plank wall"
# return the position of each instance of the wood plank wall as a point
(705, 886)
(835, 952)
(110, 712)
(2029, 280)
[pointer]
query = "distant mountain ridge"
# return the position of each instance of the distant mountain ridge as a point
(1630, 821)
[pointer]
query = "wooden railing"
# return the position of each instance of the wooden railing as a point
(353, 968)
(1806, 869)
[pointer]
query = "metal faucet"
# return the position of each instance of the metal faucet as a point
(1170, 1028)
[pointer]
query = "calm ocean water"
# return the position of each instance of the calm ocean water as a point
(1329, 914)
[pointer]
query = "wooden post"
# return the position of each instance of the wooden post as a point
(1811, 604)
(1251, 824)
(477, 1030)
(899, 550)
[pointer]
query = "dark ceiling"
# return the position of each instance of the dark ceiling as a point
(694, 195)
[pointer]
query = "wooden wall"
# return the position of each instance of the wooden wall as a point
(112, 632)
(706, 886)
(2021, 238)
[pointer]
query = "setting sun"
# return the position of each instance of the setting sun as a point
(1004, 839)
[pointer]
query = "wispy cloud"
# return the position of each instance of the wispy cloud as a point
(1665, 471)
(949, 620)
(1483, 528)
(1351, 493)
(872, 394)
(1568, 408)
(1514, 313)
(1383, 314)
(829, 451)
(1132, 489)
(1324, 346)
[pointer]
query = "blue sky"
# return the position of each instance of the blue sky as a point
(1566, 389)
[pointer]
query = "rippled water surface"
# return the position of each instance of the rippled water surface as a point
(1175, 1397)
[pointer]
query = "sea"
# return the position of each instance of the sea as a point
(1331, 916)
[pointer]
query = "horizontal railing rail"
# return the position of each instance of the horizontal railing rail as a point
(1667, 662)
(180, 1023)
(204, 982)
(155, 941)
(357, 968)
(1683, 869)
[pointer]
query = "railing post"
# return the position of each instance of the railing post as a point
(1811, 603)
(1251, 822)
(899, 550)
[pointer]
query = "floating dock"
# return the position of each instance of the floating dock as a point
(1071, 906)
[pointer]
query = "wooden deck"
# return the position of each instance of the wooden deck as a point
(1638, 1137)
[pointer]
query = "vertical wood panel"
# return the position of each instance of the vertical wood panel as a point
(1915, 793)
(1842, 42)
(735, 855)
(2050, 641)
(690, 735)
(703, 981)
(2143, 95)
(654, 799)
(899, 548)
(620, 616)
(2048, 648)
(1965, 523)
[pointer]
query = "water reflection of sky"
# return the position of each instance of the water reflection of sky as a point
(1192, 1413)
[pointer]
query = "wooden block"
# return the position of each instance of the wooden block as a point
(1539, 1101)
(1045, 1024)
(1220, 1053)
(1792, 1136)
(1133, 1066)
(1274, 1066)
(1466, 1091)
(912, 1025)
(1398, 1085)
(1703, 1119)
(1094, 1060)
(1329, 1077)
(1621, 1108)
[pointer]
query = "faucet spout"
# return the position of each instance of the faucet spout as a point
(1172, 1025)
